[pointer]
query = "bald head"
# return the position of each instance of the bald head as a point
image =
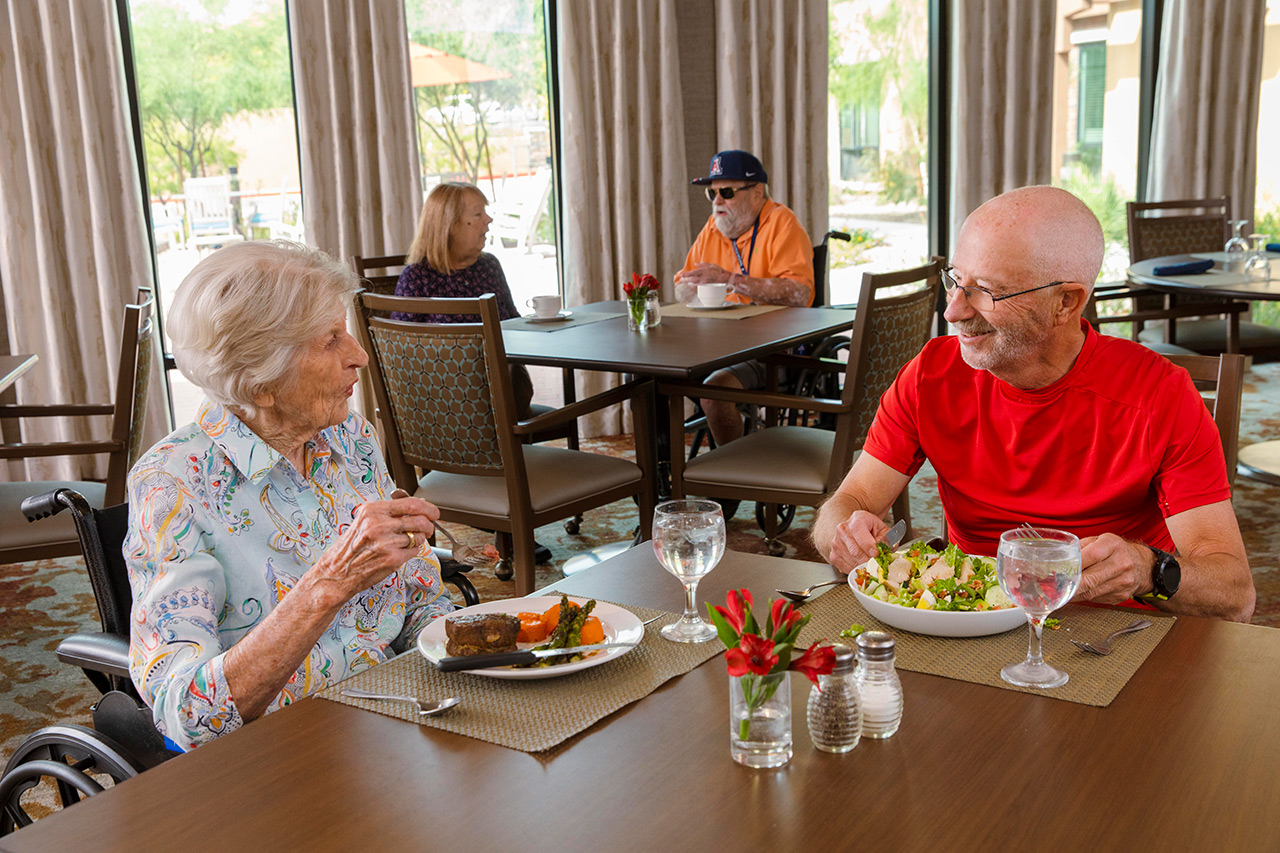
(1050, 232)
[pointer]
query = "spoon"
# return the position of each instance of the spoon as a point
(426, 707)
(461, 553)
(1103, 646)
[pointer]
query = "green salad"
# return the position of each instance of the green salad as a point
(921, 577)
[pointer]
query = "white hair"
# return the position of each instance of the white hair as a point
(244, 316)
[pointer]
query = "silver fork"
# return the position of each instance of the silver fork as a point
(1103, 646)
(461, 553)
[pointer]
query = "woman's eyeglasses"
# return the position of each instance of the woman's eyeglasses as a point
(726, 193)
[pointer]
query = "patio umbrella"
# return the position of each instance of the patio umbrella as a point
(431, 67)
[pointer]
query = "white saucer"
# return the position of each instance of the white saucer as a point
(563, 315)
(698, 306)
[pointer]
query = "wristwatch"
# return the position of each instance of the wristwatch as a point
(1166, 575)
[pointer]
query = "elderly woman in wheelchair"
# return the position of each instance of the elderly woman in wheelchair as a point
(265, 555)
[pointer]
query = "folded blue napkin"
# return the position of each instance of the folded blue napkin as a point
(1273, 247)
(1188, 268)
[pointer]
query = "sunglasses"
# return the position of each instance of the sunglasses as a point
(726, 193)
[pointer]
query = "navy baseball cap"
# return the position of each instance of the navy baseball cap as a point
(734, 165)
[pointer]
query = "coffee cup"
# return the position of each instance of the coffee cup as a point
(712, 294)
(545, 306)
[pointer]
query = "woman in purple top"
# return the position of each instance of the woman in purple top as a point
(447, 260)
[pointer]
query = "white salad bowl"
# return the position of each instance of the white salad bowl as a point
(940, 623)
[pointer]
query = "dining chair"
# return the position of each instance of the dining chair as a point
(20, 541)
(446, 404)
(1158, 229)
(381, 274)
(797, 465)
(210, 217)
(1220, 380)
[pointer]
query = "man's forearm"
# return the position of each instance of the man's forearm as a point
(1214, 585)
(773, 291)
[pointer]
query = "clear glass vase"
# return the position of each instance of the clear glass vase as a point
(637, 314)
(760, 719)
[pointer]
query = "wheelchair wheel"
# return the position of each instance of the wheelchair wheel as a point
(67, 755)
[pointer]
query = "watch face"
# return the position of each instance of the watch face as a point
(1167, 575)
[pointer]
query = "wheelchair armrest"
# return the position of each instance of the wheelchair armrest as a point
(97, 652)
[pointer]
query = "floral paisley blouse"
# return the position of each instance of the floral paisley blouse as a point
(221, 526)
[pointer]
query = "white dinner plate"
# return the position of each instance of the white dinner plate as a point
(940, 623)
(620, 626)
(698, 306)
(563, 315)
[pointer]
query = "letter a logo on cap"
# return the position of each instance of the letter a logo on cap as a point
(715, 165)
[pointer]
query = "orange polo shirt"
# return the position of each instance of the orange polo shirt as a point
(783, 249)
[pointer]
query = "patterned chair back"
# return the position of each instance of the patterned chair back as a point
(133, 381)
(438, 387)
(1161, 228)
(888, 332)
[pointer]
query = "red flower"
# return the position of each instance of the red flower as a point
(739, 601)
(639, 286)
(754, 654)
(816, 660)
(783, 616)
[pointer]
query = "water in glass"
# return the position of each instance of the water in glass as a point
(1040, 570)
(688, 539)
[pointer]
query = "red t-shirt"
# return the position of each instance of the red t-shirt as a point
(1118, 444)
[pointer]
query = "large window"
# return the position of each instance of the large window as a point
(879, 90)
(479, 74)
(1095, 124)
(216, 109)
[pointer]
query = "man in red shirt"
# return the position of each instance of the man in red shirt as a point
(1027, 414)
(759, 249)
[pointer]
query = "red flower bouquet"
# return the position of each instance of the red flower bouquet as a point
(760, 658)
(637, 291)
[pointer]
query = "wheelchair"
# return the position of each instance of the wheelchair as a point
(123, 741)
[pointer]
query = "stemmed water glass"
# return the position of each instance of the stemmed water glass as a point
(1237, 249)
(688, 537)
(1040, 570)
(1259, 265)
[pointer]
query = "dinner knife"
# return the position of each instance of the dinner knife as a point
(453, 664)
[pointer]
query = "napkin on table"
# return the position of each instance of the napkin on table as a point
(1188, 268)
(1273, 247)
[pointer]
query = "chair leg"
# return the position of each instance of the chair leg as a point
(776, 548)
(504, 569)
(524, 560)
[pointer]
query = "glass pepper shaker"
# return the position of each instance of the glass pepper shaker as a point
(835, 711)
(653, 309)
(878, 685)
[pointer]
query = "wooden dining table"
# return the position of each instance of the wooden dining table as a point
(1260, 460)
(1184, 758)
(13, 366)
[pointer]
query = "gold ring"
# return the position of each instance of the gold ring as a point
(413, 543)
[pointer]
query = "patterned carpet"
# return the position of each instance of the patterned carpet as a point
(43, 601)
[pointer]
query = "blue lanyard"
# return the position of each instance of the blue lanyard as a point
(750, 252)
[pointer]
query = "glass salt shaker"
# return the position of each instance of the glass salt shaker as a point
(653, 309)
(878, 685)
(835, 711)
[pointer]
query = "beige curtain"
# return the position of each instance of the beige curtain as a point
(772, 71)
(624, 176)
(359, 151)
(1002, 103)
(1204, 133)
(73, 243)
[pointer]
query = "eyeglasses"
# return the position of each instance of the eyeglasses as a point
(726, 193)
(981, 298)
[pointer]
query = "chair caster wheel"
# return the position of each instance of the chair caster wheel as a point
(504, 570)
(573, 526)
(776, 548)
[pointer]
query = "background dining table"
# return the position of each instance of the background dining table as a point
(1261, 460)
(1183, 758)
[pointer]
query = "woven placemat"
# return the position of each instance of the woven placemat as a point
(742, 312)
(1094, 680)
(579, 318)
(533, 715)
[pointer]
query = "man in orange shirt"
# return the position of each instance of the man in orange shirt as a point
(759, 249)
